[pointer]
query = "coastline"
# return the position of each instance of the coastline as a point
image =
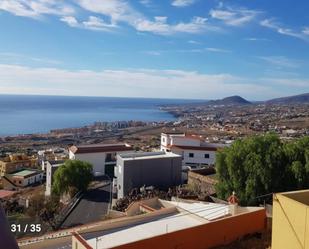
(29, 115)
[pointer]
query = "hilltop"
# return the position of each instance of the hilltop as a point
(232, 100)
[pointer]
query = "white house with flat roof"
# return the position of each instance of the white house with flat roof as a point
(101, 156)
(22, 178)
(194, 150)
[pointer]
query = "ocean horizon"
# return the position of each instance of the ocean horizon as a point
(28, 114)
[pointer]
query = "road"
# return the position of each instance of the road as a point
(92, 207)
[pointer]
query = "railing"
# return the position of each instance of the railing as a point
(67, 209)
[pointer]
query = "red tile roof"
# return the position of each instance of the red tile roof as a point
(6, 193)
(96, 148)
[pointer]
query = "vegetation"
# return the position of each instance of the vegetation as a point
(71, 177)
(50, 210)
(36, 204)
(261, 165)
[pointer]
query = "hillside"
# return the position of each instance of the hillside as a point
(301, 98)
(232, 100)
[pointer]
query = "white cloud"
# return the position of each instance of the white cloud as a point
(218, 50)
(147, 3)
(117, 10)
(182, 3)
(122, 11)
(289, 82)
(272, 24)
(17, 58)
(194, 42)
(36, 8)
(305, 31)
(93, 23)
(135, 83)
(254, 39)
(70, 20)
(96, 23)
(281, 61)
(108, 15)
(160, 26)
(152, 52)
(233, 16)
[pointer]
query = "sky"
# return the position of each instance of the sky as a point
(193, 49)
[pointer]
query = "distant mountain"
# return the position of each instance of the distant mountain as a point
(301, 98)
(232, 100)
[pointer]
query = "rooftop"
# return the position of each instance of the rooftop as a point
(56, 163)
(96, 148)
(203, 148)
(301, 196)
(25, 173)
(147, 155)
(186, 214)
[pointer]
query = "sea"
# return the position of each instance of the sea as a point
(28, 114)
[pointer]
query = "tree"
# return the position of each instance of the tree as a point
(71, 177)
(261, 165)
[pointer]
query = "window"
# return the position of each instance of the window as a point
(206, 155)
(163, 139)
(191, 154)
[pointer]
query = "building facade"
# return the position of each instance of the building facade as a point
(22, 178)
(290, 221)
(101, 156)
(51, 167)
(158, 169)
(195, 152)
(16, 162)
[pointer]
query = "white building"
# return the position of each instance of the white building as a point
(101, 156)
(51, 167)
(193, 149)
(22, 178)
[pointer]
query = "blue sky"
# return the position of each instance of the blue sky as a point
(203, 49)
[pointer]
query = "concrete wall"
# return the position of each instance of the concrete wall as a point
(208, 235)
(50, 171)
(199, 156)
(159, 172)
(290, 227)
(178, 139)
(96, 159)
(185, 141)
